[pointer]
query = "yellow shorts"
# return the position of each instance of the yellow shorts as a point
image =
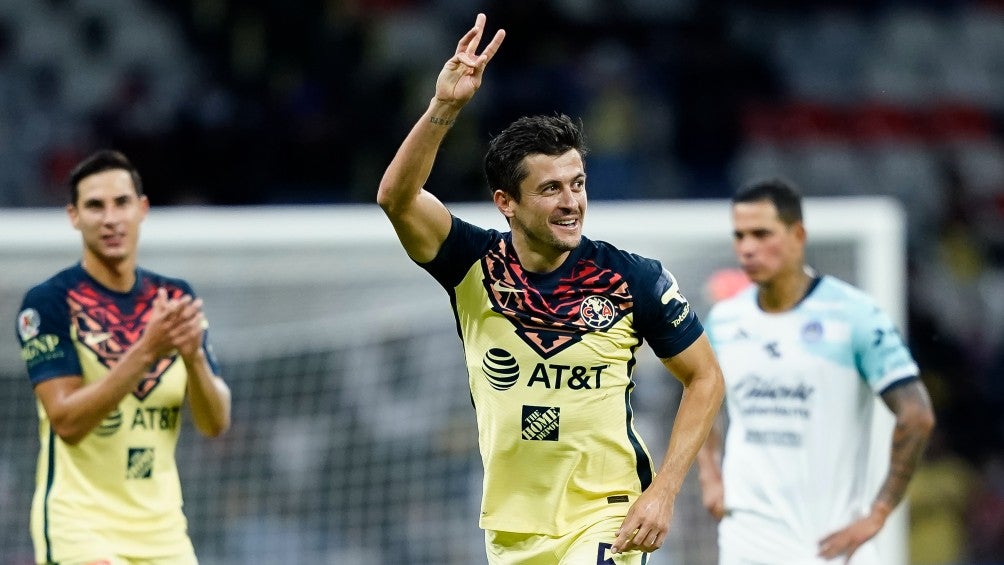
(587, 546)
(187, 558)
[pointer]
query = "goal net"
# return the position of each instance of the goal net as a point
(353, 437)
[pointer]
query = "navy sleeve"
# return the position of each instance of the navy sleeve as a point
(43, 330)
(663, 315)
(465, 244)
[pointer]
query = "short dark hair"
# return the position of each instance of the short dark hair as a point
(782, 193)
(98, 162)
(529, 135)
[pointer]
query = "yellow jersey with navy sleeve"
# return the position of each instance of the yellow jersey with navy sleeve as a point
(118, 488)
(550, 359)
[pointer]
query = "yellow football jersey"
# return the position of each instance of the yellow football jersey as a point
(118, 488)
(550, 360)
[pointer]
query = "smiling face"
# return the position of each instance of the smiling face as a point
(547, 220)
(108, 213)
(766, 247)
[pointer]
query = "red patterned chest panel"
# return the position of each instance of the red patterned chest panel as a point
(104, 328)
(590, 298)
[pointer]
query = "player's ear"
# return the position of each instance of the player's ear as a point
(74, 215)
(504, 202)
(144, 205)
(799, 230)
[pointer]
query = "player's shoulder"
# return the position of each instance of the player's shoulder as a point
(467, 241)
(157, 279)
(608, 255)
(835, 293)
(57, 284)
(463, 229)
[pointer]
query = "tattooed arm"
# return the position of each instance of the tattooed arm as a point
(914, 421)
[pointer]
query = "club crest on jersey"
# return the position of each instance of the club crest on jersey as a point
(812, 331)
(597, 312)
(28, 322)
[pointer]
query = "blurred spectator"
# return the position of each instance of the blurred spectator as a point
(986, 516)
(711, 80)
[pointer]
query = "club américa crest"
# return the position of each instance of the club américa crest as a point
(597, 311)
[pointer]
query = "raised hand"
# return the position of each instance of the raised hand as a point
(163, 319)
(461, 75)
(176, 325)
(190, 323)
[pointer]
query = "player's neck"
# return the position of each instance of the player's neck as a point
(119, 276)
(785, 292)
(539, 258)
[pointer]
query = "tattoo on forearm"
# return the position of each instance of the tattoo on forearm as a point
(441, 121)
(907, 447)
(908, 443)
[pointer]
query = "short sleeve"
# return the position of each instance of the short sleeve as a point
(43, 331)
(465, 244)
(882, 356)
(663, 313)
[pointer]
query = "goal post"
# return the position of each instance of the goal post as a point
(354, 438)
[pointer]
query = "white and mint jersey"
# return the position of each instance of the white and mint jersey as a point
(800, 391)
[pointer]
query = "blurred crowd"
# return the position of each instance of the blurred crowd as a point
(221, 102)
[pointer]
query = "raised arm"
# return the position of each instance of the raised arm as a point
(648, 520)
(421, 221)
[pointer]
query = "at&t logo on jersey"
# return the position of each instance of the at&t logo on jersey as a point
(575, 377)
(500, 368)
(502, 372)
(110, 424)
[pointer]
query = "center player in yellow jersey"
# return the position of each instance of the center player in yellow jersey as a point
(550, 322)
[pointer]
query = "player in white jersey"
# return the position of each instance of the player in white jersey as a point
(550, 322)
(803, 357)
